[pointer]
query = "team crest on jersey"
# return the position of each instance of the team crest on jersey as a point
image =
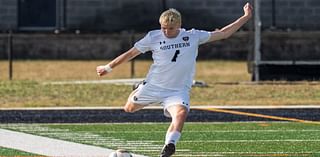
(185, 38)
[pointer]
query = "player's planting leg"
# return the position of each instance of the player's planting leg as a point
(168, 150)
(179, 114)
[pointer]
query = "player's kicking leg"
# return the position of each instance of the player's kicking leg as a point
(179, 114)
(139, 98)
(131, 106)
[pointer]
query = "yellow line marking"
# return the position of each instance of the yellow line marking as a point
(259, 115)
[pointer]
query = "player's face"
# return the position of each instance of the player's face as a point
(170, 30)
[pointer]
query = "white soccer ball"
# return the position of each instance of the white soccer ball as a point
(120, 153)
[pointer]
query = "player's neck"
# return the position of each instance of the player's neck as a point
(173, 35)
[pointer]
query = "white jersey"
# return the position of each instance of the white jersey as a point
(174, 59)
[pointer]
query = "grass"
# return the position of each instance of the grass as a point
(229, 84)
(6, 152)
(39, 70)
(205, 139)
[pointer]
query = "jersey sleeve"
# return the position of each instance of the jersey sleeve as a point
(203, 36)
(143, 45)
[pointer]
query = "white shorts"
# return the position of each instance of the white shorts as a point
(147, 94)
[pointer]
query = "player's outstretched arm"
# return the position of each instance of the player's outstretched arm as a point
(228, 30)
(125, 57)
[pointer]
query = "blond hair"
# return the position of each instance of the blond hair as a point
(170, 16)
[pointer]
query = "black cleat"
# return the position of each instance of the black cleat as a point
(168, 150)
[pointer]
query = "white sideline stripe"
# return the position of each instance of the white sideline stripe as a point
(50, 147)
(216, 131)
(115, 81)
(248, 141)
(210, 154)
(234, 141)
(159, 107)
(259, 107)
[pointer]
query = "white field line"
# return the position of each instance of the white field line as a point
(217, 131)
(210, 154)
(235, 141)
(85, 137)
(114, 81)
(47, 146)
(50, 147)
(247, 141)
(259, 107)
(160, 108)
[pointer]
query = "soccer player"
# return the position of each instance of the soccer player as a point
(169, 80)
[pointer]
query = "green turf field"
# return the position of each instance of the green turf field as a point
(4, 152)
(198, 139)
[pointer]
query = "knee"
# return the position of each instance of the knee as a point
(128, 109)
(181, 115)
(131, 107)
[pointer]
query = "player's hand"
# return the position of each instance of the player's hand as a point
(248, 10)
(101, 70)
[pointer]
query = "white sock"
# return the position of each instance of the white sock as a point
(172, 137)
